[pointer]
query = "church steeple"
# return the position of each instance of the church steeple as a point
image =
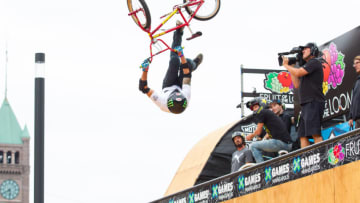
(10, 130)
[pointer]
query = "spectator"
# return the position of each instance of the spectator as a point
(355, 103)
(312, 100)
(279, 138)
(242, 155)
(175, 94)
(277, 107)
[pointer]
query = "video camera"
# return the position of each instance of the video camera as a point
(292, 60)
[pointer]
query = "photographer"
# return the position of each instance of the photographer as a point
(308, 79)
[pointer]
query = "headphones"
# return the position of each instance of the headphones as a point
(314, 50)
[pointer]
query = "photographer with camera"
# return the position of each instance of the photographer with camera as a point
(308, 78)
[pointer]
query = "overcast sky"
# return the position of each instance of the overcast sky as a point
(106, 141)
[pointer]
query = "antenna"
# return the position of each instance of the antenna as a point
(6, 66)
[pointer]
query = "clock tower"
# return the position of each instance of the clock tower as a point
(14, 157)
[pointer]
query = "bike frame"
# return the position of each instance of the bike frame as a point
(154, 38)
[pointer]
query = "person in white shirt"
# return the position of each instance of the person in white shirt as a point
(176, 91)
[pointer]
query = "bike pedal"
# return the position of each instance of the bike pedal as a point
(197, 34)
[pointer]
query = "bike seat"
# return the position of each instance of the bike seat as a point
(197, 34)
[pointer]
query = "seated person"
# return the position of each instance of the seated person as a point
(242, 155)
(277, 107)
(279, 138)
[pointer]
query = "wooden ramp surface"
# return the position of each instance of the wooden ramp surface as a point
(195, 161)
(340, 184)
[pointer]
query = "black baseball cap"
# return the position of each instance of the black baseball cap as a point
(308, 45)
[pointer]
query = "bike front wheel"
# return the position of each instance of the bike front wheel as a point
(208, 10)
(140, 13)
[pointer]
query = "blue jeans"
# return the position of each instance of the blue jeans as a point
(271, 145)
(174, 74)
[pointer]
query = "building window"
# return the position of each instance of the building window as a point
(1, 157)
(8, 156)
(17, 157)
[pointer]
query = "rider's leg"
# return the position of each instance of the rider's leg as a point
(257, 153)
(271, 145)
(172, 74)
(191, 65)
(304, 142)
(177, 39)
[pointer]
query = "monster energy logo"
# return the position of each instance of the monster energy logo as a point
(185, 104)
(241, 183)
(296, 164)
(170, 103)
(214, 191)
(267, 174)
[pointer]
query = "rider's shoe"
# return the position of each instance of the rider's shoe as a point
(198, 59)
(178, 22)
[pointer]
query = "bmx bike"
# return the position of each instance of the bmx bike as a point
(198, 9)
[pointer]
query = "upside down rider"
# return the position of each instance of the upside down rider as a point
(176, 91)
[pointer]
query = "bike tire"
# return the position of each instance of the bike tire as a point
(206, 12)
(145, 20)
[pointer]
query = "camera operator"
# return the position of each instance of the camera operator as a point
(308, 79)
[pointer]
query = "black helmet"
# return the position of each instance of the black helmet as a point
(314, 50)
(258, 100)
(176, 102)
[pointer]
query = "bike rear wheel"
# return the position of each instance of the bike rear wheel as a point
(207, 11)
(141, 16)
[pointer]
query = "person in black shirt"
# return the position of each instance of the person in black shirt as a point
(277, 107)
(309, 80)
(274, 127)
(355, 103)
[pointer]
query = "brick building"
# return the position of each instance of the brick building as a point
(14, 157)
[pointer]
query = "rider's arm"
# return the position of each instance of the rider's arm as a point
(157, 97)
(144, 78)
(160, 100)
(257, 131)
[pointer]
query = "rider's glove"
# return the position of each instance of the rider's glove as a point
(142, 88)
(178, 50)
(145, 65)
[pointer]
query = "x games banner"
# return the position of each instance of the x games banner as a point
(335, 153)
(339, 75)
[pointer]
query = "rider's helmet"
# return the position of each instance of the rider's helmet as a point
(238, 133)
(259, 101)
(176, 102)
